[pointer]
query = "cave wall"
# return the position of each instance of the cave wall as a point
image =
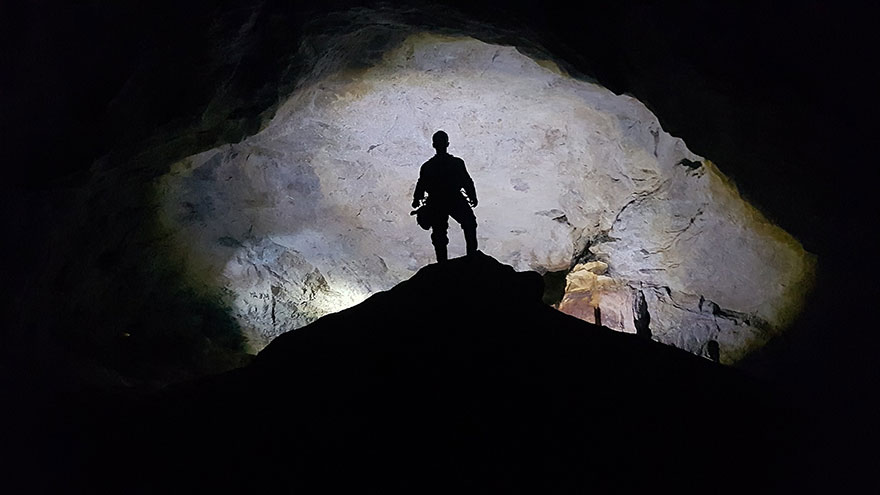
(175, 82)
(311, 214)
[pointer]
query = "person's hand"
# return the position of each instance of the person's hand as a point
(416, 203)
(472, 202)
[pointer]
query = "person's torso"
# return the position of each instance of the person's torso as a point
(443, 178)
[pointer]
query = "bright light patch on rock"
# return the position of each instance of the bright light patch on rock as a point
(311, 215)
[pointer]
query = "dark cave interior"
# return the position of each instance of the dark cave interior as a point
(775, 94)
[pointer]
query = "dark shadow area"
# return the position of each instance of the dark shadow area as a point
(554, 287)
(457, 379)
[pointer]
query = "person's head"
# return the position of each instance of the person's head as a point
(440, 141)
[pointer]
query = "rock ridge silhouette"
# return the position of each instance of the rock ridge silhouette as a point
(459, 378)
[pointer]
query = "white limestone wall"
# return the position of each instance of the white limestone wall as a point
(312, 214)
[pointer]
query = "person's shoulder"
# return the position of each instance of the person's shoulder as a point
(456, 160)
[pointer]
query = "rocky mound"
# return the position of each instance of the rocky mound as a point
(457, 379)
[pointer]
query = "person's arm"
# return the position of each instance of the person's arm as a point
(419, 194)
(468, 186)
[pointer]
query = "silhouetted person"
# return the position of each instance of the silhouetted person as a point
(443, 178)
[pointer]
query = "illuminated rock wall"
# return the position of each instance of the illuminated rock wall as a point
(311, 214)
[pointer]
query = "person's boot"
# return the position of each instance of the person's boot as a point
(470, 238)
(441, 253)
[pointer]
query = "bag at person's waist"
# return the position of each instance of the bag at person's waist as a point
(423, 216)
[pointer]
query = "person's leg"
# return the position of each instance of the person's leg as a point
(439, 226)
(470, 238)
(464, 215)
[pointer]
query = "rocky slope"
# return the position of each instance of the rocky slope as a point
(458, 378)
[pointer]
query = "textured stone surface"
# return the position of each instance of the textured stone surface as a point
(589, 292)
(311, 214)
